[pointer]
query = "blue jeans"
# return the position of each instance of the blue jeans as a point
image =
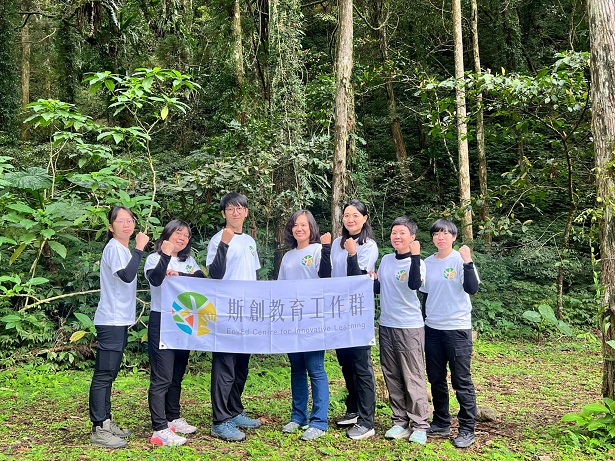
(313, 363)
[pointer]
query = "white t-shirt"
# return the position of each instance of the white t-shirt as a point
(241, 258)
(301, 264)
(118, 299)
(399, 305)
(189, 266)
(448, 307)
(367, 255)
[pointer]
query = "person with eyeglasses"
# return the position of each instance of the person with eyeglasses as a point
(116, 311)
(231, 255)
(167, 366)
(450, 279)
(356, 253)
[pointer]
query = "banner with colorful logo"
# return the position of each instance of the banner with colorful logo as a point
(267, 317)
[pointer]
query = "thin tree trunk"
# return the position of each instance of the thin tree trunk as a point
(344, 108)
(237, 45)
(480, 131)
(601, 15)
(462, 129)
(25, 70)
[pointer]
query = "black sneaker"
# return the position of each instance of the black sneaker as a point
(464, 440)
(438, 431)
(349, 419)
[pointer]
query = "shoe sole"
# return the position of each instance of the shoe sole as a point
(367, 435)
(177, 431)
(401, 435)
(161, 443)
(347, 422)
(119, 445)
(286, 431)
(227, 439)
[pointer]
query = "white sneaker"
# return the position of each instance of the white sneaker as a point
(181, 425)
(167, 437)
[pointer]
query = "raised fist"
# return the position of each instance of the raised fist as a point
(141, 240)
(325, 238)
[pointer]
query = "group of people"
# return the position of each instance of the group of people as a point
(413, 336)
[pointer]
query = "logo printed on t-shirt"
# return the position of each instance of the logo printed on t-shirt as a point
(252, 250)
(307, 260)
(401, 275)
(449, 273)
(189, 269)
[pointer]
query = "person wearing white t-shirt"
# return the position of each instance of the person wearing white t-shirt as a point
(450, 279)
(402, 333)
(231, 255)
(115, 313)
(308, 259)
(356, 253)
(167, 366)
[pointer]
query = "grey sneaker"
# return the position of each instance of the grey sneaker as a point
(358, 432)
(438, 431)
(418, 437)
(293, 426)
(181, 425)
(103, 437)
(241, 420)
(464, 440)
(348, 419)
(227, 431)
(119, 431)
(312, 434)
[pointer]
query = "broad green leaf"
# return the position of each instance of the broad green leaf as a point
(532, 316)
(37, 281)
(17, 252)
(84, 319)
(596, 408)
(77, 335)
(164, 112)
(548, 314)
(58, 248)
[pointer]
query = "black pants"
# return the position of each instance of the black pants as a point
(167, 368)
(356, 363)
(229, 373)
(111, 343)
(452, 348)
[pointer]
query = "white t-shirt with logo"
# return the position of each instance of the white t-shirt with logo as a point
(367, 255)
(448, 307)
(189, 266)
(241, 258)
(399, 305)
(301, 264)
(118, 299)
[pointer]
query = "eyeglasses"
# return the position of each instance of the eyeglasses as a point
(122, 221)
(233, 210)
(441, 232)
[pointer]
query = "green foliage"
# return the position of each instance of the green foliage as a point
(595, 423)
(544, 318)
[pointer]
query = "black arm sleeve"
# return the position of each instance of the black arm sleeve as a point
(198, 274)
(352, 267)
(217, 268)
(470, 281)
(414, 278)
(376, 286)
(324, 271)
(156, 275)
(129, 273)
(423, 303)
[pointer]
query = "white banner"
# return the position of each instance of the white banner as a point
(267, 317)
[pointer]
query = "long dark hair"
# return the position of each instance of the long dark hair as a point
(289, 238)
(112, 216)
(366, 231)
(168, 230)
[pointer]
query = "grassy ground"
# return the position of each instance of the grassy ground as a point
(44, 414)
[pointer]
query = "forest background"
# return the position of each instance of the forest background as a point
(165, 105)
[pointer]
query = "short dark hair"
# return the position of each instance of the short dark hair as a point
(405, 221)
(168, 230)
(112, 216)
(441, 225)
(289, 238)
(233, 198)
(366, 231)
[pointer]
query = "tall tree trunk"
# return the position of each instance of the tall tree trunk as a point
(25, 66)
(344, 111)
(480, 131)
(462, 129)
(237, 44)
(602, 45)
(395, 124)
(9, 70)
